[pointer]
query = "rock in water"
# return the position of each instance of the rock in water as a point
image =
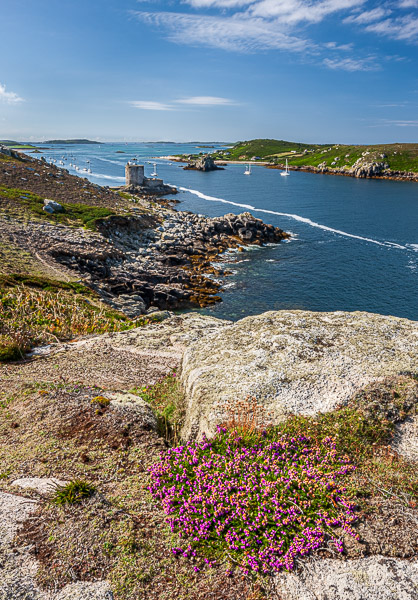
(203, 163)
(288, 362)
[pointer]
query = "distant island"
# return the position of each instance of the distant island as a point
(76, 141)
(391, 161)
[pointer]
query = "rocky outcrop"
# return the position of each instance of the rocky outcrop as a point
(160, 259)
(203, 163)
(291, 362)
(371, 578)
(364, 167)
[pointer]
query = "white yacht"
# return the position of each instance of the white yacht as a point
(248, 170)
(286, 171)
(154, 173)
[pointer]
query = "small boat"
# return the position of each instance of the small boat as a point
(286, 171)
(154, 173)
(248, 170)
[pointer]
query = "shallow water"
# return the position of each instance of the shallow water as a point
(354, 242)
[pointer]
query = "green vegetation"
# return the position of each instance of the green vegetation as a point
(166, 398)
(35, 311)
(234, 497)
(398, 157)
(17, 145)
(80, 215)
(264, 149)
(73, 492)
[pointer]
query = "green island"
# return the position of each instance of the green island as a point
(390, 160)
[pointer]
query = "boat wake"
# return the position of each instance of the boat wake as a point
(298, 218)
(103, 176)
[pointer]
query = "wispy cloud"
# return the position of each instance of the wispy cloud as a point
(368, 16)
(408, 4)
(335, 46)
(182, 103)
(9, 97)
(395, 123)
(207, 101)
(238, 32)
(150, 105)
(401, 28)
(351, 64)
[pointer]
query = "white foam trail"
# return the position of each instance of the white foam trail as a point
(102, 176)
(113, 162)
(295, 217)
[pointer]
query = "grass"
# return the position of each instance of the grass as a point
(35, 310)
(80, 215)
(72, 492)
(166, 398)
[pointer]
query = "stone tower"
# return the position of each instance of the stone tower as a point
(134, 174)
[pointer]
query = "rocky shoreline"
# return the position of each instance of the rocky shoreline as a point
(147, 256)
(370, 171)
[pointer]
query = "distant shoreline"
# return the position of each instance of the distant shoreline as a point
(395, 176)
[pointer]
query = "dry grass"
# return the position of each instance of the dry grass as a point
(33, 316)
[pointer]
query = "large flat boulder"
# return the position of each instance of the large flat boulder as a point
(290, 362)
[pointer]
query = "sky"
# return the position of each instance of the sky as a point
(322, 71)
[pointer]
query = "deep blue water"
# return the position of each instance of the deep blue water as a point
(354, 242)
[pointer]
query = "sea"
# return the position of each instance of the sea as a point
(353, 245)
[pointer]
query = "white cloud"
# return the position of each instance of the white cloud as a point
(238, 32)
(218, 3)
(402, 28)
(296, 11)
(351, 64)
(335, 46)
(396, 123)
(206, 101)
(408, 4)
(149, 105)
(190, 101)
(9, 97)
(368, 16)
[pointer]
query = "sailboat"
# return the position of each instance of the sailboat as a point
(248, 170)
(286, 171)
(154, 173)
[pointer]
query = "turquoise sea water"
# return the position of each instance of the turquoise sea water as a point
(354, 242)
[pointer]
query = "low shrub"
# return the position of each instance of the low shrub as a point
(258, 503)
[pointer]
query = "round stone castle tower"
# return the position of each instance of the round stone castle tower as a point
(134, 174)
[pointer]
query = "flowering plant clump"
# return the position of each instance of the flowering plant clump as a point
(258, 502)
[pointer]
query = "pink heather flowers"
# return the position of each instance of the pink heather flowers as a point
(260, 504)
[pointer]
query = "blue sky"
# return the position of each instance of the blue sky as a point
(305, 70)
